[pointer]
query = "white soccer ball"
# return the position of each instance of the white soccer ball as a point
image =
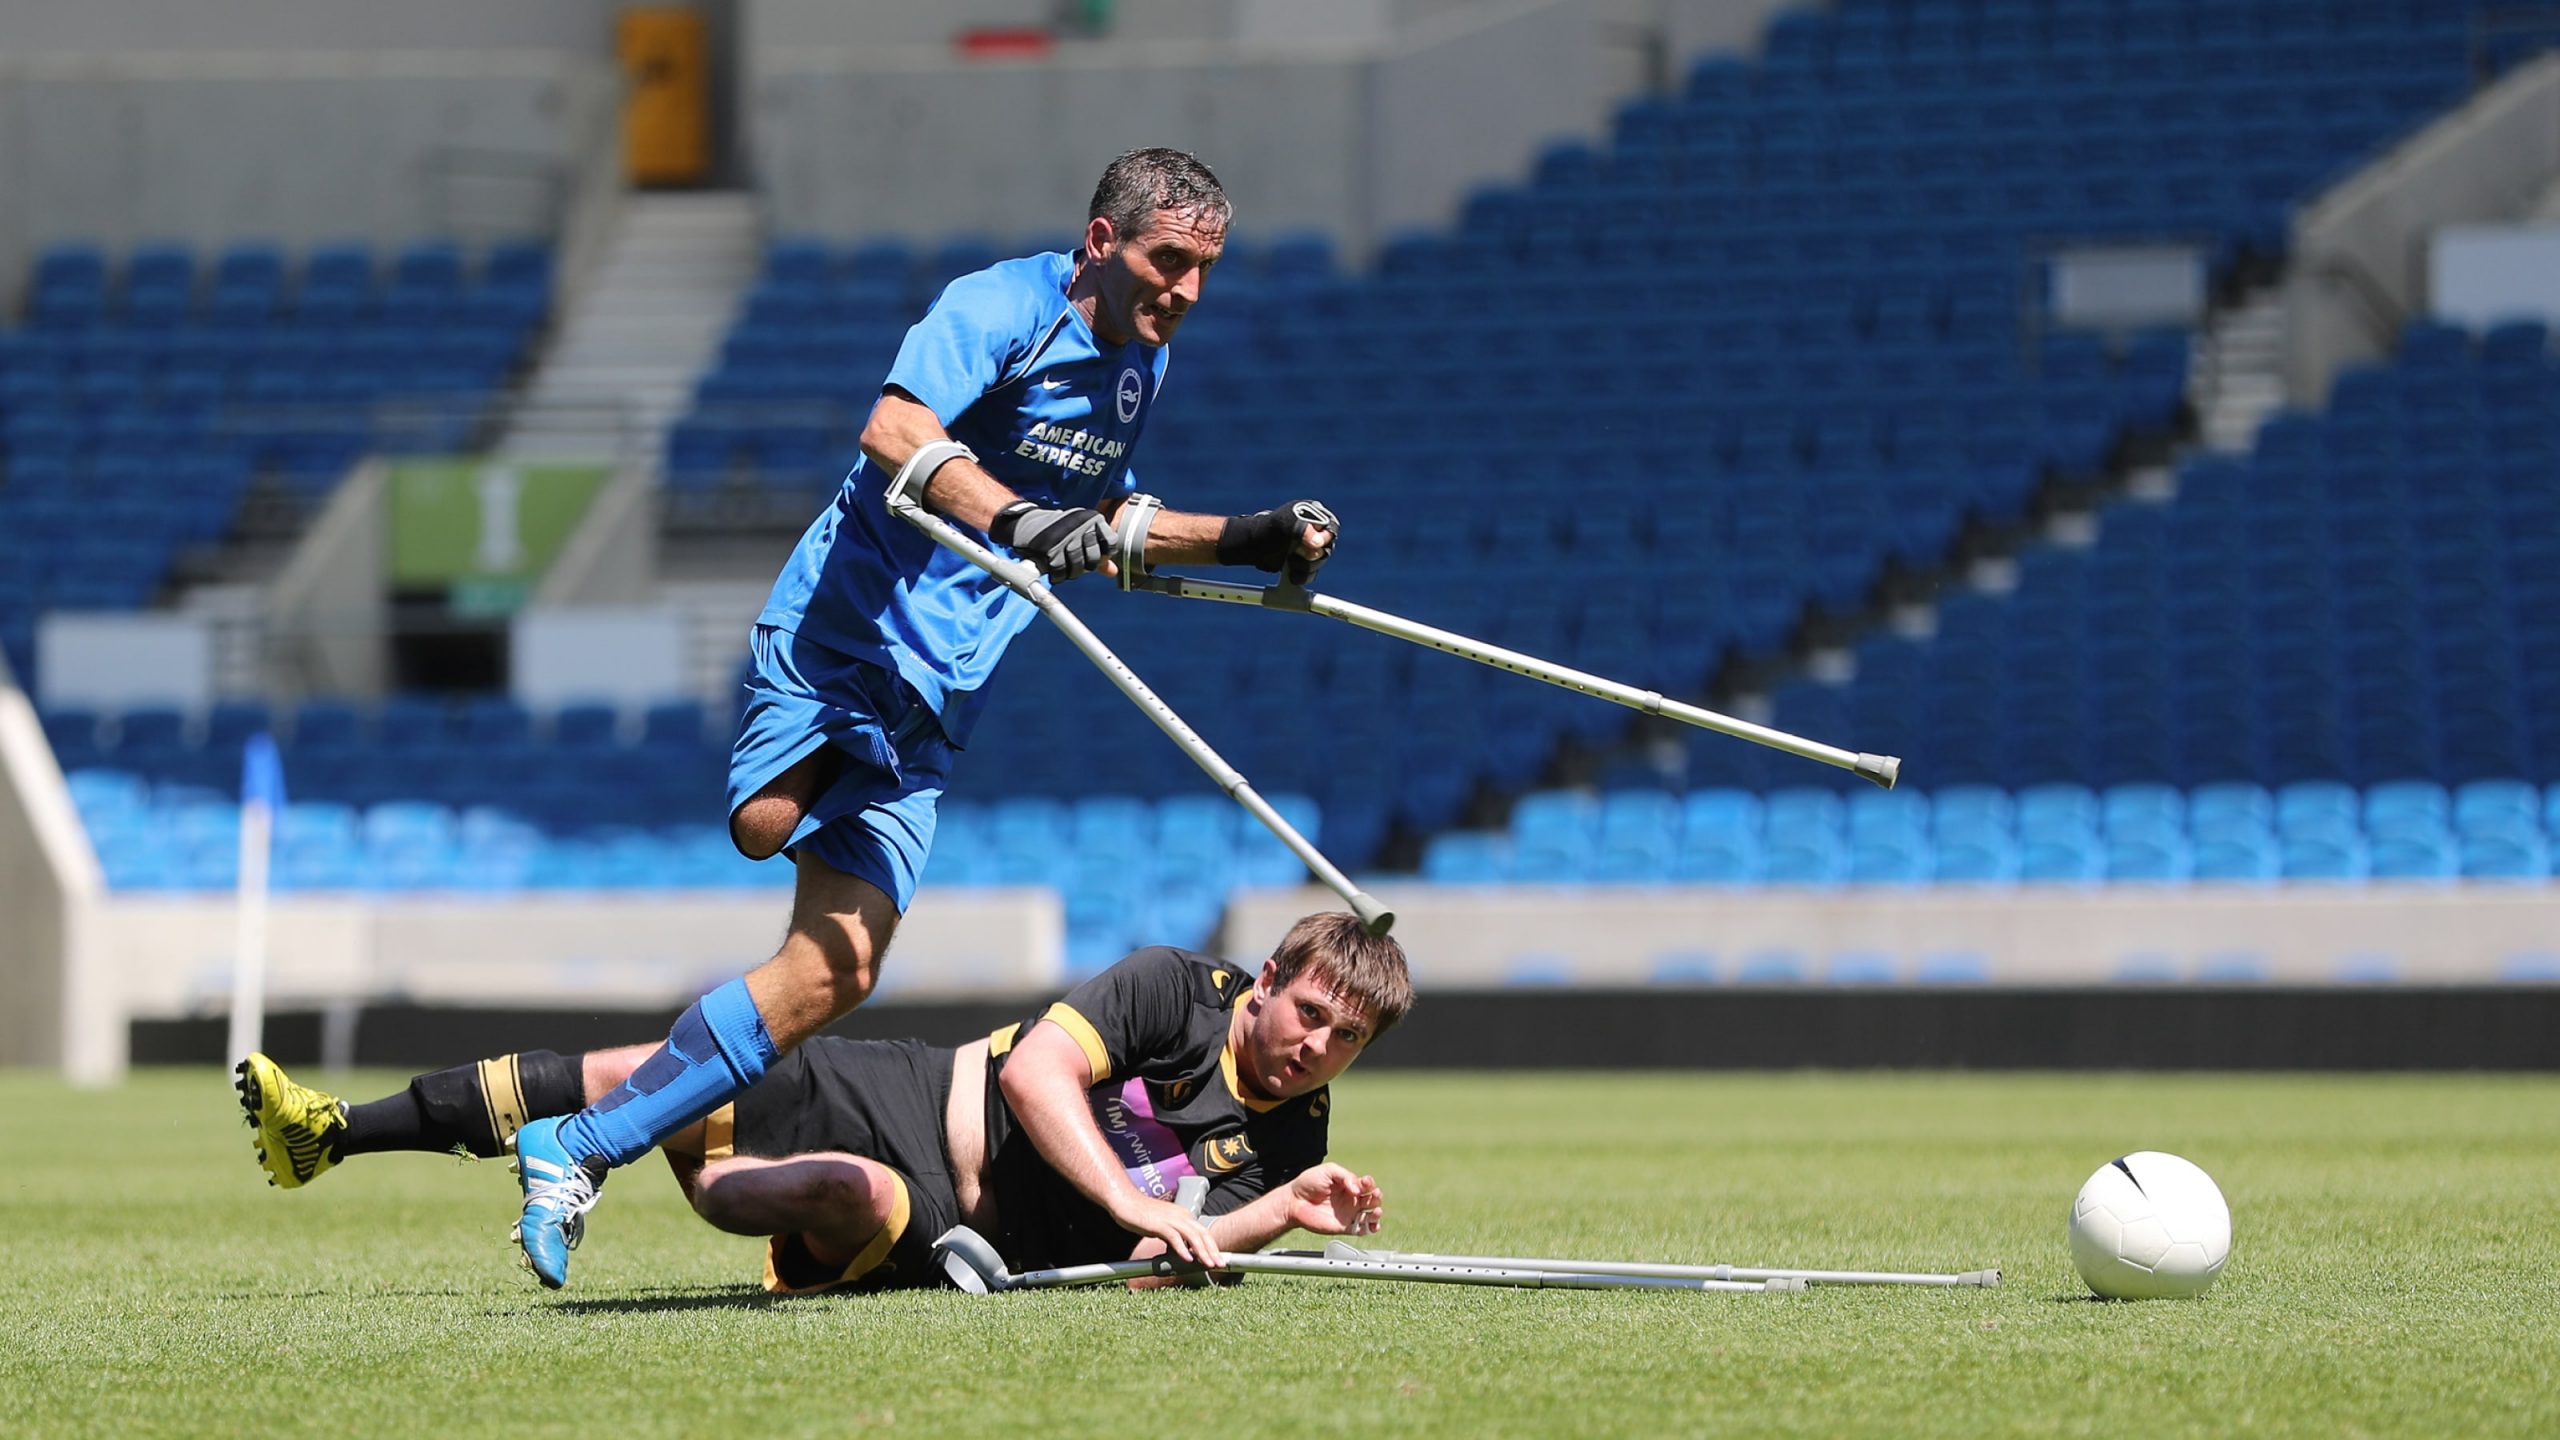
(2150, 1227)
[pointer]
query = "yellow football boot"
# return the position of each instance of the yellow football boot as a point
(298, 1127)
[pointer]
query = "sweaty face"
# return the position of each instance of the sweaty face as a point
(1299, 1037)
(1149, 281)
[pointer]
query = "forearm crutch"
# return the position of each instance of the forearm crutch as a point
(1881, 769)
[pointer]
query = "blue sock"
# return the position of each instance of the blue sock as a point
(719, 1046)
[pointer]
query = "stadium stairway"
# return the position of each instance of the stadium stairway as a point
(639, 328)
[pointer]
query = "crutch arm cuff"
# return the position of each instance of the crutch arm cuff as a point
(906, 488)
(1130, 525)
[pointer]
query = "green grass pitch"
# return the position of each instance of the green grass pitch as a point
(2397, 1242)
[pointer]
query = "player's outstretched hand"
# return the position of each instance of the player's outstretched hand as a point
(1298, 537)
(1062, 543)
(1182, 1232)
(1329, 1200)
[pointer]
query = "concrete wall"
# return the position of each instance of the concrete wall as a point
(253, 26)
(2431, 934)
(385, 146)
(2490, 160)
(1350, 139)
(604, 951)
(1693, 26)
(57, 1008)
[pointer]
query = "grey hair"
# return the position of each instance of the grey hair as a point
(1142, 182)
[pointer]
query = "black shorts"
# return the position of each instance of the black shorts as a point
(879, 1099)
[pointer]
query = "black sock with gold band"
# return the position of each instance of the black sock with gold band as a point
(473, 1108)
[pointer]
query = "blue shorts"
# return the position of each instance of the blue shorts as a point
(875, 819)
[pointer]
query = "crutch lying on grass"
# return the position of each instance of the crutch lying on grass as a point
(974, 1266)
(1345, 1250)
(1024, 581)
(1882, 769)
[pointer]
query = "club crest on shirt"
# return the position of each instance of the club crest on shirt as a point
(1132, 389)
(1226, 1154)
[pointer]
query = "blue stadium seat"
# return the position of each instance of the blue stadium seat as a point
(1951, 967)
(1683, 967)
(2232, 968)
(1861, 967)
(1770, 967)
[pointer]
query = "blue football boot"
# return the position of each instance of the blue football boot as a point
(558, 1192)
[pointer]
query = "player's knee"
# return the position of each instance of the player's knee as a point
(838, 946)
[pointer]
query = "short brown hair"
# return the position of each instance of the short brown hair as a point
(1142, 183)
(1363, 967)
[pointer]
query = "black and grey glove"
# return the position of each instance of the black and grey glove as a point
(1268, 539)
(1062, 543)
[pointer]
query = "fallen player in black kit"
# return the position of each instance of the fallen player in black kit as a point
(1049, 1136)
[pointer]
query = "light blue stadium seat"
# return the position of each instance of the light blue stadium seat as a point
(1684, 967)
(1892, 859)
(2147, 968)
(2317, 806)
(2237, 855)
(1888, 812)
(1638, 839)
(1030, 822)
(1974, 808)
(101, 793)
(1467, 857)
(2536, 968)
(1737, 813)
(2061, 857)
(1538, 968)
(1806, 856)
(2497, 806)
(1119, 823)
(2505, 854)
(1770, 967)
(2045, 810)
(2416, 855)
(2151, 850)
(1197, 821)
(2368, 970)
(1861, 967)
(1951, 967)
(2217, 808)
(2232, 968)
(2324, 852)
(1974, 852)
(2401, 806)
(1803, 811)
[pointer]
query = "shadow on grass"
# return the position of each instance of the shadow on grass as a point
(647, 1302)
(2085, 1298)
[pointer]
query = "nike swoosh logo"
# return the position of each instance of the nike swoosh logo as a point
(1050, 384)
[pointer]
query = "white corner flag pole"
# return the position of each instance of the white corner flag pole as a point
(261, 796)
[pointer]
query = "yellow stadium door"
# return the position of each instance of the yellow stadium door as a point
(666, 117)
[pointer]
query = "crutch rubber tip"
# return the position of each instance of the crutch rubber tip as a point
(1979, 1277)
(1785, 1283)
(1375, 918)
(1882, 769)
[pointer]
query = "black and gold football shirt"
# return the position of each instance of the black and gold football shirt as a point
(1154, 1028)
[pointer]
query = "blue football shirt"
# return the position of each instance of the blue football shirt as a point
(1014, 373)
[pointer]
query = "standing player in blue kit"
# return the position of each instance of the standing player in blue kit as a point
(1011, 408)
